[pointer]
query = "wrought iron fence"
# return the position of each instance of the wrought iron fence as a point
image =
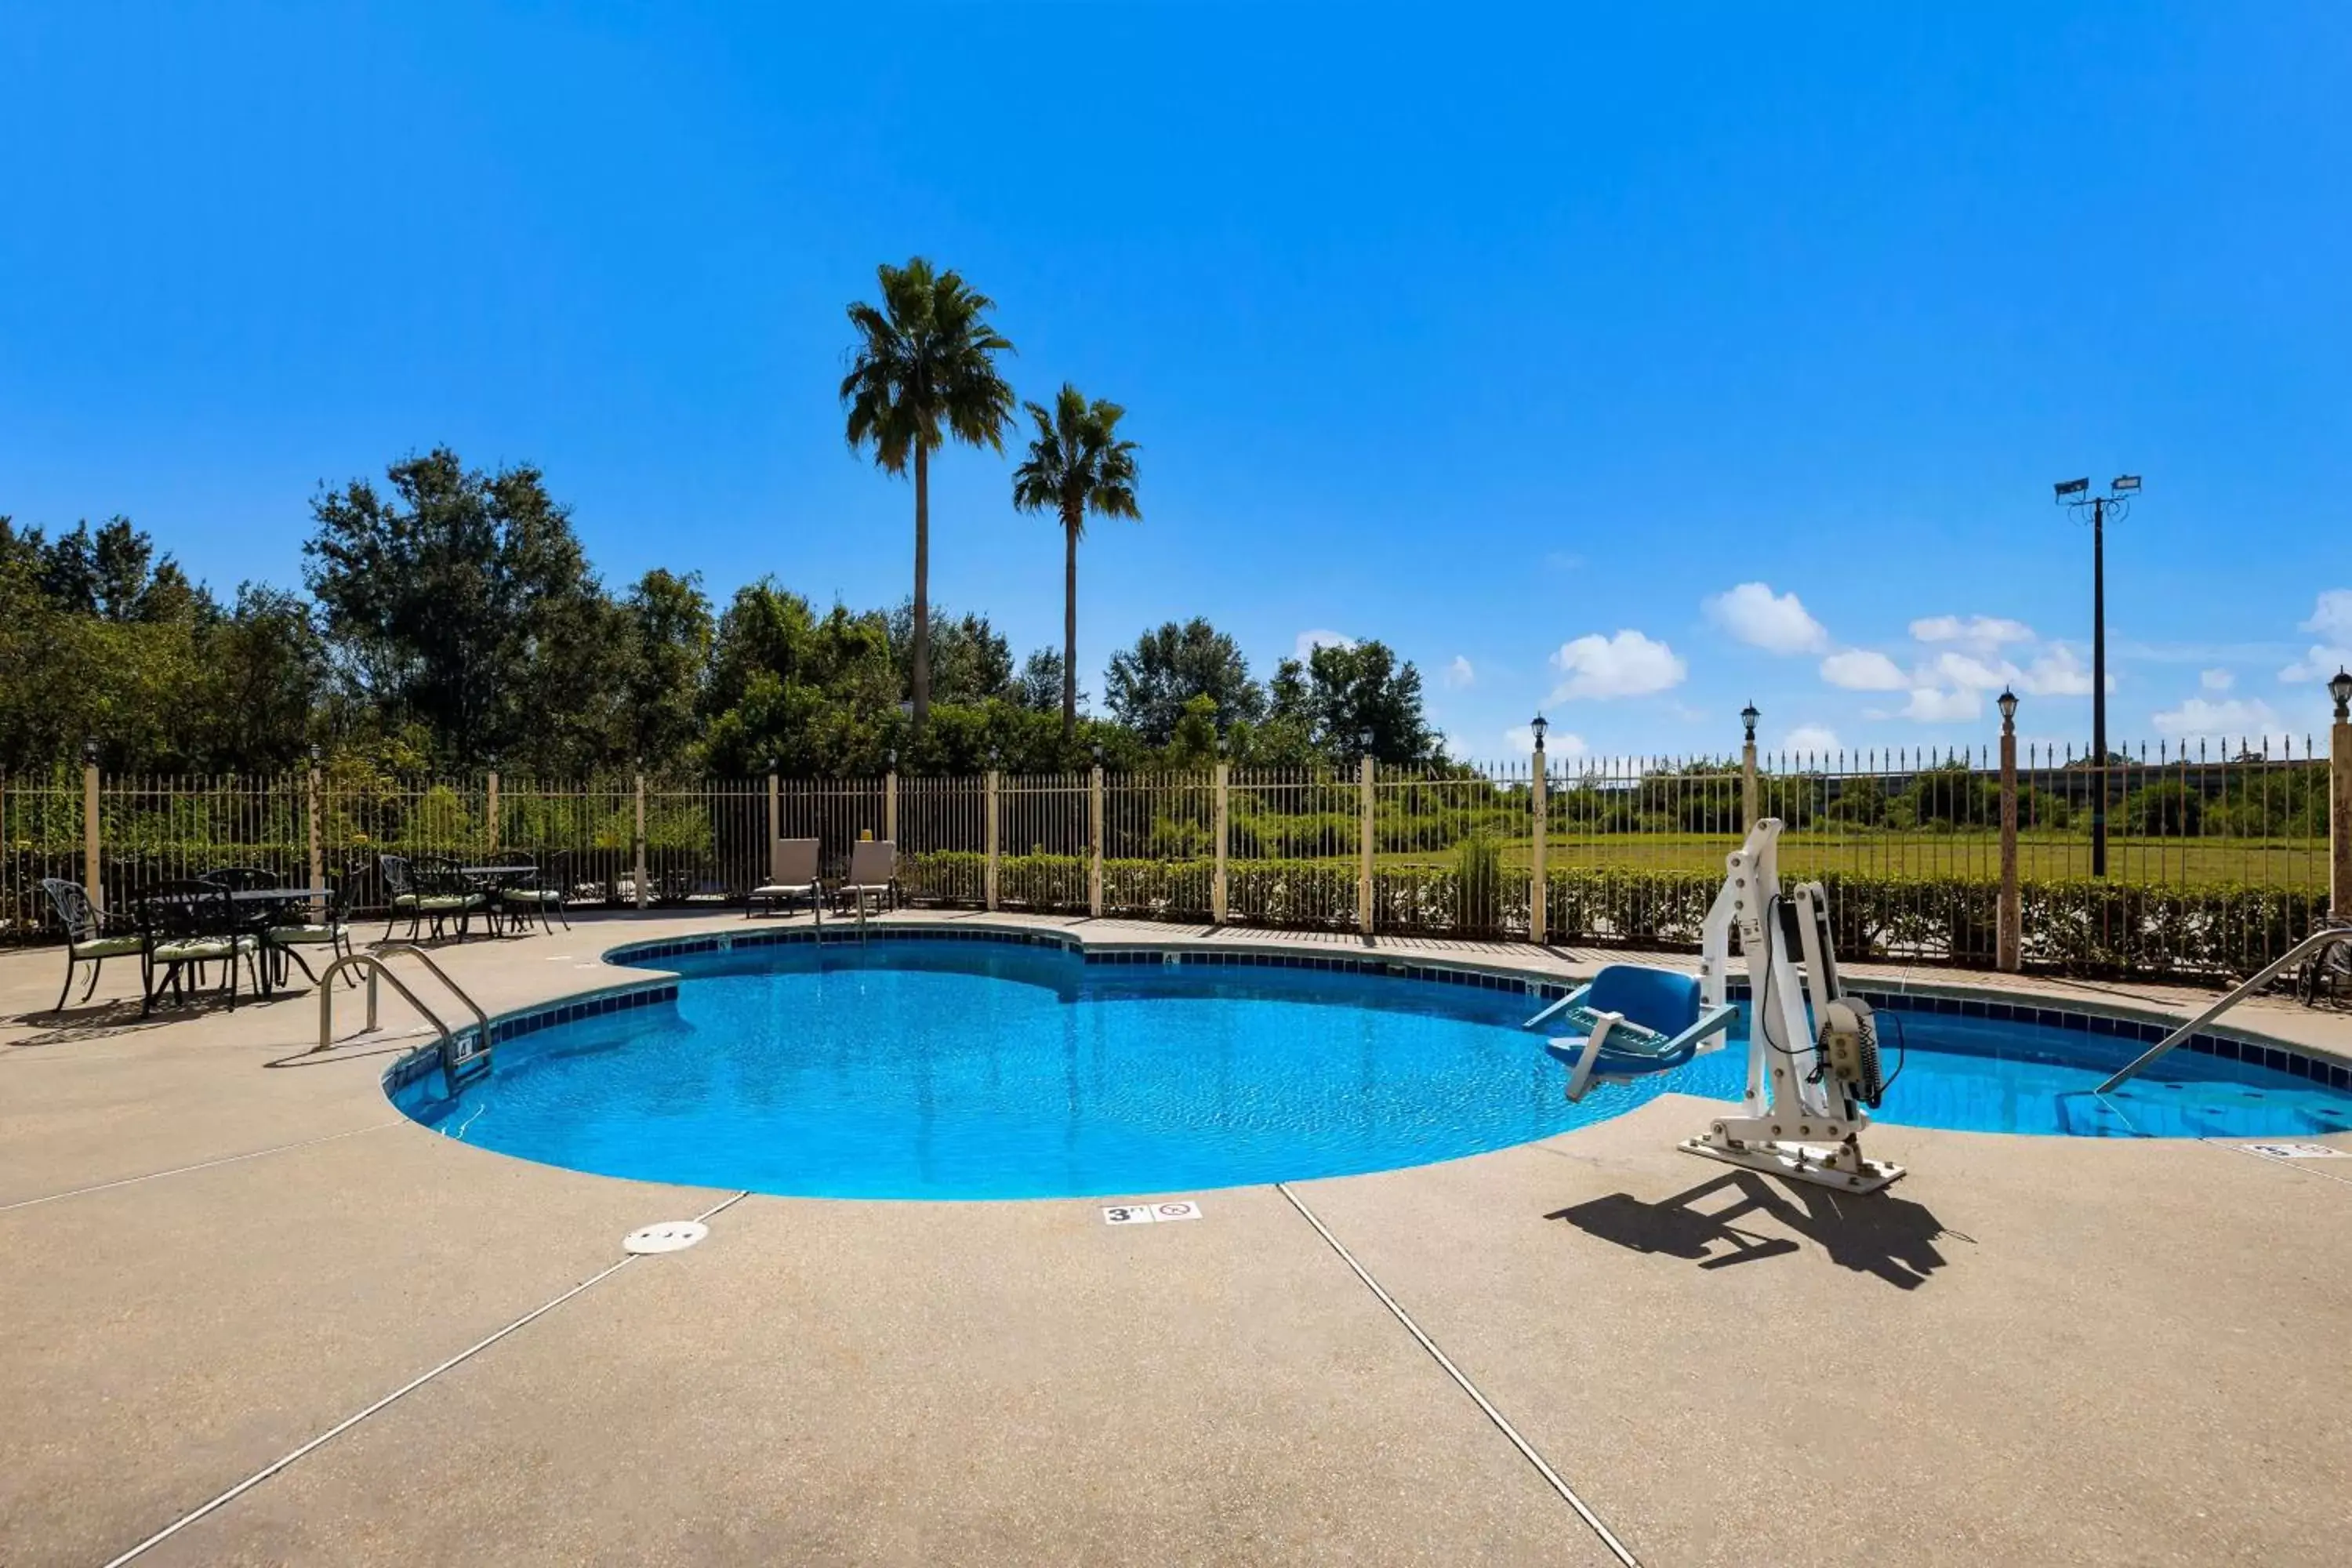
(2216, 858)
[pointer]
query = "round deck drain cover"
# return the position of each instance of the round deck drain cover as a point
(670, 1235)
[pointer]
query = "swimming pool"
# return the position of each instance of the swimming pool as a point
(905, 1068)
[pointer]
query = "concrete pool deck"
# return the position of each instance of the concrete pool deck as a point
(2042, 1351)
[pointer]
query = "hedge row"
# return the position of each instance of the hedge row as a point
(2082, 927)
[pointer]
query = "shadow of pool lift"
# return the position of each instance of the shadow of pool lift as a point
(1810, 1089)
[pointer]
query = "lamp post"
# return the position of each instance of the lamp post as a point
(1538, 879)
(2339, 799)
(1747, 717)
(2075, 495)
(2008, 926)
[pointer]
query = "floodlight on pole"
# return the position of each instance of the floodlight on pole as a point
(2075, 495)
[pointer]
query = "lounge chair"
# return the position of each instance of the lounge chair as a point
(91, 937)
(1635, 1020)
(791, 874)
(872, 873)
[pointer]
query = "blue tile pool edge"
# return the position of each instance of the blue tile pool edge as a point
(2298, 1061)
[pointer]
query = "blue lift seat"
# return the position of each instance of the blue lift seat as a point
(1633, 1020)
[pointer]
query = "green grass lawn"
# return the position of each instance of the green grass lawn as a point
(2280, 863)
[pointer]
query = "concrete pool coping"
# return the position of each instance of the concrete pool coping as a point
(2074, 1350)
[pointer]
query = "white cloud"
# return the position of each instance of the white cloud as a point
(1930, 705)
(1985, 634)
(1309, 641)
(2331, 618)
(1627, 665)
(2058, 671)
(2233, 718)
(2216, 679)
(1456, 747)
(1967, 672)
(1864, 670)
(1558, 743)
(1810, 738)
(1459, 673)
(1777, 624)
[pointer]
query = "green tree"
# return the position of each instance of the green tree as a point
(924, 368)
(1357, 689)
(669, 633)
(1148, 685)
(814, 694)
(1039, 684)
(1077, 464)
(970, 659)
(463, 600)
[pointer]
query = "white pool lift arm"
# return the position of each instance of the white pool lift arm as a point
(1808, 1085)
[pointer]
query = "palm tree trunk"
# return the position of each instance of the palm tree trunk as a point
(922, 586)
(1069, 628)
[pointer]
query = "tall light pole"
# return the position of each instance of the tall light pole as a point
(2075, 495)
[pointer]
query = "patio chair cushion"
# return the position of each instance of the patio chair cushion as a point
(445, 903)
(200, 949)
(107, 947)
(404, 900)
(530, 896)
(288, 936)
(778, 889)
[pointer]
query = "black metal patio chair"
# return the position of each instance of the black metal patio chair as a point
(91, 936)
(332, 930)
(542, 893)
(187, 925)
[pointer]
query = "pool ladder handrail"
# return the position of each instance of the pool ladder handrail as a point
(454, 1055)
(2325, 937)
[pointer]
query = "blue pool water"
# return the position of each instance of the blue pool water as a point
(954, 1071)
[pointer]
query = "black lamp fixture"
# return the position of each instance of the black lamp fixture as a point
(892, 755)
(1098, 754)
(2340, 688)
(1537, 727)
(314, 754)
(1364, 742)
(2008, 702)
(1747, 717)
(90, 751)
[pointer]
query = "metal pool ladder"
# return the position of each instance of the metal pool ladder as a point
(465, 1053)
(2325, 937)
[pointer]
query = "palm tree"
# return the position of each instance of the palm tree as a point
(925, 359)
(1076, 465)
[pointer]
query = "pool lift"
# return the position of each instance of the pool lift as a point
(1810, 1085)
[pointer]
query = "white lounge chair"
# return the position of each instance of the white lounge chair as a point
(872, 873)
(791, 874)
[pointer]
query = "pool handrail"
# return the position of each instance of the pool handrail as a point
(454, 1056)
(2325, 936)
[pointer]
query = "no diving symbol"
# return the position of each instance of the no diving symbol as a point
(1149, 1214)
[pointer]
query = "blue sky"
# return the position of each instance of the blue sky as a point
(1522, 341)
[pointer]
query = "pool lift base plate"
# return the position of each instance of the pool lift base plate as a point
(1838, 1166)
